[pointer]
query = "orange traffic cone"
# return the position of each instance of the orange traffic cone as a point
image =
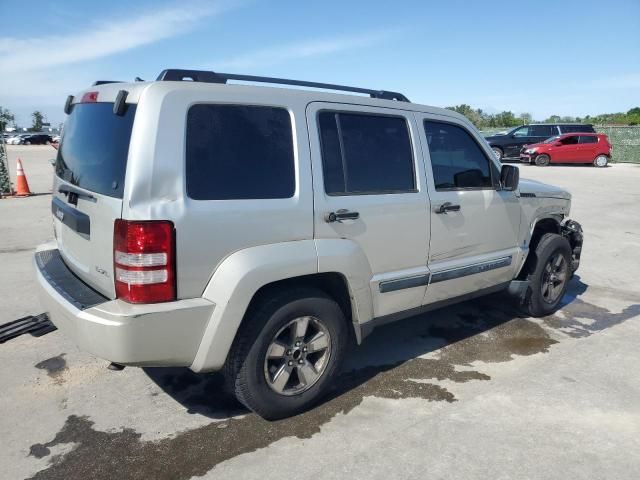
(22, 186)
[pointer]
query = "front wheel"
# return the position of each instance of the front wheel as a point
(287, 352)
(601, 161)
(549, 279)
(498, 152)
(27, 142)
(542, 160)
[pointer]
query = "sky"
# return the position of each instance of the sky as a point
(542, 57)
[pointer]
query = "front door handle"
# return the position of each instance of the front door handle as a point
(447, 207)
(340, 215)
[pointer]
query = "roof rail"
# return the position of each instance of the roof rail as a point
(173, 74)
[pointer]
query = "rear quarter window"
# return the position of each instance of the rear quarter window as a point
(239, 152)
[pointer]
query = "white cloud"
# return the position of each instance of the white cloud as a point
(296, 51)
(18, 54)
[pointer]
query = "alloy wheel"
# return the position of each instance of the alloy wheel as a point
(554, 276)
(297, 356)
(601, 161)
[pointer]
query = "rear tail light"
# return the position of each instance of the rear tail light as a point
(144, 261)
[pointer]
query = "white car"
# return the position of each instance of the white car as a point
(260, 230)
(15, 140)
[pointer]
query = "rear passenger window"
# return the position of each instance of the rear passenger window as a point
(239, 152)
(457, 160)
(588, 139)
(364, 154)
(545, 131)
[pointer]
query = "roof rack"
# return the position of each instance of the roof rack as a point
(173, 74)
(105, 82)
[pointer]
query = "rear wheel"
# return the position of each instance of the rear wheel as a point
(287, 352)
(498, 151)
(543, 160)
(601, 161)
(549, 279)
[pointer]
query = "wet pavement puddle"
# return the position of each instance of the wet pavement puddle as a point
(477, 331)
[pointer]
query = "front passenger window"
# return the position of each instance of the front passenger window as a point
(457, 160)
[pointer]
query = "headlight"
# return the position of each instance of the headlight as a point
(530, 150)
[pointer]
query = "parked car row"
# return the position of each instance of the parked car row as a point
(31, 139)
(547, 143)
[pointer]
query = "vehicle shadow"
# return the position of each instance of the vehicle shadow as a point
(390, 347)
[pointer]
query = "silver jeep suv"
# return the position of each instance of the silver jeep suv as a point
(261, 231)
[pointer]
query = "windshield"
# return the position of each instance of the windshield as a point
(94, 148)
(552, 139)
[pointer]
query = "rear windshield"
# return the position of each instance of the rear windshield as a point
(94, 148)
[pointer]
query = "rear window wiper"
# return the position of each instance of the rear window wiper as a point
(67, 189)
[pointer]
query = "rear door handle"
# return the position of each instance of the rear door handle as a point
(340, 215)
(446, 207)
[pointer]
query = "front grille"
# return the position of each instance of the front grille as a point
(74, 290)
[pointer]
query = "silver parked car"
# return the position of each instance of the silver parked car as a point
(260, 231)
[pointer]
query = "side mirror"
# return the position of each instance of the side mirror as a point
(509, 177)
(557, 144)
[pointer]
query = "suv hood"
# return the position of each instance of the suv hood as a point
(543, 190)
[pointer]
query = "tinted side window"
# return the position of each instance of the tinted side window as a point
(588, 139)
(569, 140)
(365, 153)
(577, 128)
(239, 152)
(456, 159)
(545, 131)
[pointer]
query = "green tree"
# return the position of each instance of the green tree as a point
(506, 119)
(6, 117)
(525, 118)
(37, 117)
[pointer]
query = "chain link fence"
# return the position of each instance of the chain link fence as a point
(5, 180)
(625, 141)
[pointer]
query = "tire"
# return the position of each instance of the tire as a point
(550, 277)
(542, 160)
(601, 161)
(262, 383)
(499, 152)
(27, 142)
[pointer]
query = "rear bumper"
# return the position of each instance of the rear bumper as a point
(163, 334)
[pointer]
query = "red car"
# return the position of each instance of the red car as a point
(569, 148)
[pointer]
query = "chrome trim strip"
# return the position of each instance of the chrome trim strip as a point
(402, 283)
(470, 269)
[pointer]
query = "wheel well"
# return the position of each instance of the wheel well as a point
(332, 283)
(545, 225)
